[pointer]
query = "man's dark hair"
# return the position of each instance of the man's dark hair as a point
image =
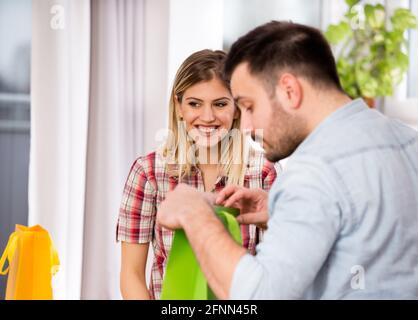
(285, 46)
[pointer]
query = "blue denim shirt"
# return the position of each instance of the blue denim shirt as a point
(343, 215)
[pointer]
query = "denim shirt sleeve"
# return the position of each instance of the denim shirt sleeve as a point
(305, 219)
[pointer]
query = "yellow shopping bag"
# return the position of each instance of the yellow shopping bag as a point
(33, 261)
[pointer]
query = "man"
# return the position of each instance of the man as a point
(343, 217)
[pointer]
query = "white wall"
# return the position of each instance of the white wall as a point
(156, 69)
(194, 25)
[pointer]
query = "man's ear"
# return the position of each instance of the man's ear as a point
(289, 90)
(237, 112)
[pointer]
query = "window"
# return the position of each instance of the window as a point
(413, 56)
(242, 16)
(15, 42)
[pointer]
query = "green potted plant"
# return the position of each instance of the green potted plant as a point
(371, 49)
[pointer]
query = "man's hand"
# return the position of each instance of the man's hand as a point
(180, 203)
(253, 204)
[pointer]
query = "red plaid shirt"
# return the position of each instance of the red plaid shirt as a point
(146, 187)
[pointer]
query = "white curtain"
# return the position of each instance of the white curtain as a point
(115, 136)
(86, 122)
(59, 116)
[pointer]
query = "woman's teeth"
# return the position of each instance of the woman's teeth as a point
(206, 130)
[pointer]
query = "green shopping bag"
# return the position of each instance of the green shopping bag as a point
(184, 280)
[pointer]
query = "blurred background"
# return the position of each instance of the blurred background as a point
(83, 92)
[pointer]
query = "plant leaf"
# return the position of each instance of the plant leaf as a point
(375, 15)
(337, 32)
(368, 85)
(403, 19)
(351, 3)
(347, 77)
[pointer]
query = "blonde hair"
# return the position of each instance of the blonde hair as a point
(202, 66)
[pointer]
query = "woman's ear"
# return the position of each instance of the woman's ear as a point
(177, 105)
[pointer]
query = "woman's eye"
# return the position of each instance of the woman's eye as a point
(221, 104)
(194, 104)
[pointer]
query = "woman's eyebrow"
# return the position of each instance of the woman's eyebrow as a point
(217, 99)
(223, 98)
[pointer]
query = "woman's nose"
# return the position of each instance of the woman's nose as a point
(207, 114)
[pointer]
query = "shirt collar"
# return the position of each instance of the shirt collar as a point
(345, 111)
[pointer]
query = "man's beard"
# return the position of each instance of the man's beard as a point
(285, 133)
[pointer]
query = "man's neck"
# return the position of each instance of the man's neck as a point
(323, 105)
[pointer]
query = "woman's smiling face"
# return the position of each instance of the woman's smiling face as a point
(208, 110)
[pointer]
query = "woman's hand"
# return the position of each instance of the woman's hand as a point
(253, 204)
(132, 276)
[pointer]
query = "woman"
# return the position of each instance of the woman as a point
(205, 149)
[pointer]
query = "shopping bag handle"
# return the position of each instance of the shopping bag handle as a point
(231, 224)
(8, 253)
